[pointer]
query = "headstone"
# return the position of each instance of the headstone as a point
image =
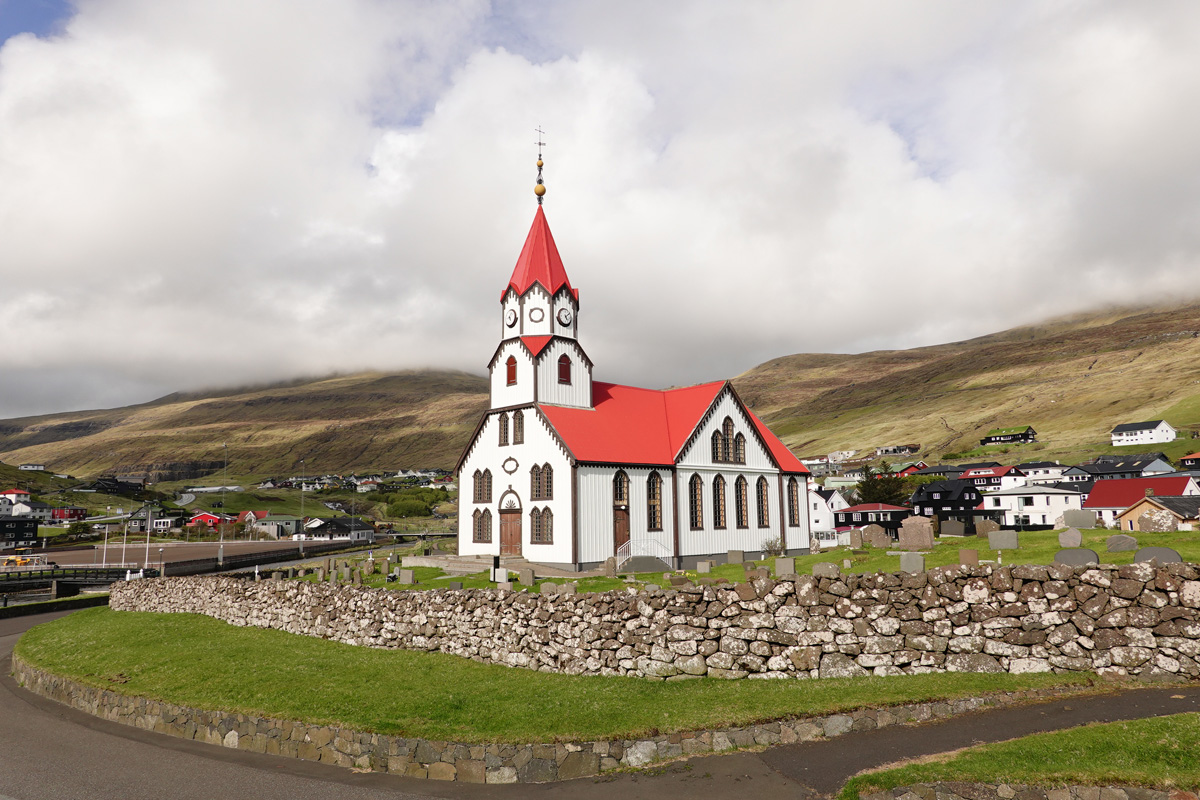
(1077, 518)
(1003, 540)
(916, 534)
(674, 580)
(986, 526)
(785, 566)
(320, 574)
(1121, 543)
(452, 585)
(912, 562)
(736, 557)
(953, 527)
(847, 563)
(968, 558)
(357, 578)
(328, 565)
(1163, 555)
(757, 572)
(568, 588)
(549, 588)
(1076, 557)
(824, 569)
(856, 538)
(1158, 521)
(525, 576)
(406, 576)
(345, 573)
(610, 567)
(505, 586)
(1071, 537)
(500, 575)
(704, 567)
(300, 573)
(876, 536)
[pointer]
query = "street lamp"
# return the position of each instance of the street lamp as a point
(162, 566)
(107, 513)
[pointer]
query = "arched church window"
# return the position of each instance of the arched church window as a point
(654, 502)
(541, 526)
(477, 487)
(564, 369)
(535, 483)
(739, 449)
(547, 483)
(764, 507)
(740, 492)
(696, 502)
(511, 367)
(620, 488)
(718, 502)
(504, 429)
(482, 526)
(518, 427)
(487, 486)
(727, 440)
(793, 502)
(716, 447)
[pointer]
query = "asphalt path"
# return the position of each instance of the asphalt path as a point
(50, 751)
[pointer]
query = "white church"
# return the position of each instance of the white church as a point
(567, 471)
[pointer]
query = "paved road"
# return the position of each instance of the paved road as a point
(48, 750)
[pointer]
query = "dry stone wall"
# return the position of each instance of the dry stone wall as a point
(1133, 619)
(951, 790)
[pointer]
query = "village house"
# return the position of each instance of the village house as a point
(1109, 467)
(208, 519)
(1152, 432)
(897, 450)
(1110, 498)
(1183, 513)
(1047, 472)
(32, 467)
(17, 532)
(988, 479)
(1190, 461)
(68, 513)
(33, 509)
(825, 503)
(1032, 507)
(15, 495)
(948, 500)
(568, 471)
(1022, 434)
(888, 517)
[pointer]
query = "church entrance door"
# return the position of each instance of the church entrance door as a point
(620, 527)
(510, 532)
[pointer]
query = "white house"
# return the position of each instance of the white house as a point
(32, 508)
(1152, 432)
(1042, 471)
(32, 467)
(569, 471)
(1032, 505)
(823, 503)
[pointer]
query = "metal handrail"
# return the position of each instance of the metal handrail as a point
(641, 547)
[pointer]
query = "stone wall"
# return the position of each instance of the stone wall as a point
(951, 790)
(1133, 619)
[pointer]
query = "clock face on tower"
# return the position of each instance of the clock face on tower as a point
(510, 318)
(564, 316)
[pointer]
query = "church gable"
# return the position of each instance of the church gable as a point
(726, 436)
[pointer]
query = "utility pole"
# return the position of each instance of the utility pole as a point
(224, 480)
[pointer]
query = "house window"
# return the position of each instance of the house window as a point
(995, 502)
(541, 526)
(511, 366)
(857, 516)
(741, 503)
(518, 427)
(620, 488)
(764, 508)
(718, 502)
(504, 429)
(794, 502)
(654, 502)
(696, 502)
(481, 526)
(564, 369)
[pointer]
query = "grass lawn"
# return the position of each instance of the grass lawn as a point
(1161, 752)
(196, 661)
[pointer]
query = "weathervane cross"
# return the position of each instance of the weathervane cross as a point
(540, 188)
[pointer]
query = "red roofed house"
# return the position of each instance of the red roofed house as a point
(1110, 498)
(992, 478)
(1190, 462)
(568, 471)
(251, 517)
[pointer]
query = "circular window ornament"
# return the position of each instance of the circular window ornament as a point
(536, 315)
(510, 465)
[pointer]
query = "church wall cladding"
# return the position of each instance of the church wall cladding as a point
(596, 522)
(579, 391)
(1135, 619)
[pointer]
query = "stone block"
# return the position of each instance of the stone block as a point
(856, 538)
(824, 569)
(704, 567)
(912, 563)
(785, 566)
(406, 576)
(1003, 540)
(735, 557)
(1071, 537)
(952, 527)
(1079, 519)
(441, 771)
(568, 588)
(986, 526)
(549, 588)
(471, 771)
(1163, 555)
(916, 533)
(505, 586)
(525, 577)
(454, 585)
(1076, 557)
(1121, 543)
(968, 558)
(610, 567)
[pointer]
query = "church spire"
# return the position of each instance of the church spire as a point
(540, 262)
(540, 188)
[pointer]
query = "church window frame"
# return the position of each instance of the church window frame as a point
(564, 369)
(739, 449)
(763, 490)
(741, 493)
(481, 526)
(510, 367)
(518, 427)
(620, 488)
(482, 486)
(535, 482)
(654, 510)
(793, 488)
(503, 423)
(719, 515)
(727, 440)
(716, 447)
(541, 526)
(696, 502)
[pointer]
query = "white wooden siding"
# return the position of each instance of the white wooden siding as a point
(699, 452)
(536, 298)
(710, 540)
(565, 299)
(596, 541)
(578, 393)
(503, 394)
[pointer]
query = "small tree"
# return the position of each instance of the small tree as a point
(882, 486)
(79, 529)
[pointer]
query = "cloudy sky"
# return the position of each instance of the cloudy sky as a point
(201, 193)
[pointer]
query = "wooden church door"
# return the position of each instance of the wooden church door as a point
(620, 527)
(510, 532)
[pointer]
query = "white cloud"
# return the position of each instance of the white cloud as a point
(201, 193)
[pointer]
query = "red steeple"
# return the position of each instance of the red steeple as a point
(539, 261)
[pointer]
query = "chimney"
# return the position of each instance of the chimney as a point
(1149, 493)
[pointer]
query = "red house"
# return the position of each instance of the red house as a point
(208, 518)
(68, 513)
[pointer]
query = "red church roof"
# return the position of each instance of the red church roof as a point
(539, 261)
(629, 425)
(1124, 493)
(536, 344)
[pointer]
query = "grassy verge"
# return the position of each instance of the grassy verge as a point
(1160, 752)
(196, 661)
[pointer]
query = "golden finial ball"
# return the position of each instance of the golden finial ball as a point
(539, 190)
(539, 162)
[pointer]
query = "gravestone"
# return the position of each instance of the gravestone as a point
(757, 572)
(968, 558)
(1076, 557)
(320, 574)
(499, 574)
(505, 586)
(846, 563)
(610, 567)
(345, 573)
(916, 534)
(525, 576)
(986, 526)
(568, 588)
(1158, 521)
(674, 580)
(369, 567)
(1071, 537)
(1003, 540)
(912, 562)
(735, 557)
(953, 527)
(1077, 518)
(300, 573)
(704, 567)
(876, 536)
(356, 578)
(856, 538)
(452, 585)
(328, 565)
(824, 569)
(1163, 555)
(1121, 543)
(785, 566)
(549, 588)
(406, 576)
